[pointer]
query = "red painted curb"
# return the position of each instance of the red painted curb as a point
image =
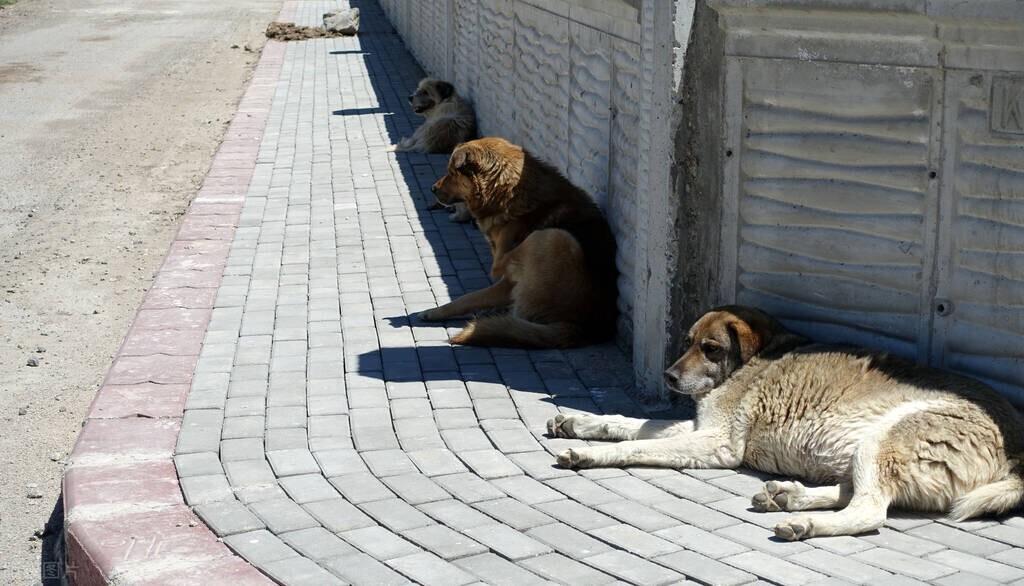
(124, 516)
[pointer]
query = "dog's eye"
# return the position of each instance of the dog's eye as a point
(710, 348)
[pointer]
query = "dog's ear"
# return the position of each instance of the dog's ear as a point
(444, 89)
(466, 158)
(750, 334)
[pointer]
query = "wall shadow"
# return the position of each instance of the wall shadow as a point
(594, 378)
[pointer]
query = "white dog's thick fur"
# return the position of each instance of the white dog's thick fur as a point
(873, 429)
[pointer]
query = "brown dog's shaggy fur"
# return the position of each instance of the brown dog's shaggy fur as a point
(554, 254)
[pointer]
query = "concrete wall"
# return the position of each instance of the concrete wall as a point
(860, 174)
(585, 84)
(855, 167)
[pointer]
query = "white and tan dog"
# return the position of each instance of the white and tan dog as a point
(872, 429)
(449, 122)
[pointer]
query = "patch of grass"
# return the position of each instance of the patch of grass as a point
(6, 2)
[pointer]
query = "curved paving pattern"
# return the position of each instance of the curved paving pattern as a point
(329, 439)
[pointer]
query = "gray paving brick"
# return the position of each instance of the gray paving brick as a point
(635, 541)
(965, 579)
(292, 462)
(902, 542)
(240, 427)
(228, 518)
(489, 463)
(428, 569)
(526, 489)
(396, 514)
(317, 543)
(289, 438)
(695, 514)
(338, 515)
(360, 568)
(701, 541)
(197, 464)
(339, 461)
(455, 514)
(637, 515)
(568, 541)
(958, 540)
(901, 563)
(464, 440)
(456, 418)
(576, 515)
(444, 542)
(838, 566)
(308, 488)
(205, 489)
(557, 567)
(631, 568)
(361, 487)
(242, 449)
(300, 571)
(705, 569)
(379, 542)
(282, 515)
(772, 568)
(507, 541)
(415, 488)
(978, 565)
(1005, 533)
(260, 547)
(468, 488)
(436, 461)
(514, 513)
(583, 490)
(388, 462)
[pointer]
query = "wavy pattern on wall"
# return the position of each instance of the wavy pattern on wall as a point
(832, 207)
(568, 91)
(467, 47)
(624, 162)
(542, 83)
(985, 333)
(589, 110)
(494, 92)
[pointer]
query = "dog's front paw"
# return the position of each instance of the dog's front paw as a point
(574, 458)
(391, 148)
(561, 426)
(795, 528)
(776, 496)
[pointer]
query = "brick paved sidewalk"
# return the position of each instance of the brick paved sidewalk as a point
(329, 439)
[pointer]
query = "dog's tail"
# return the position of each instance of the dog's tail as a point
(514, 332)
(994, 498)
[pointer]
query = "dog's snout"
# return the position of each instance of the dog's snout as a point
(410, 98)
(433, 189)
(672, 378)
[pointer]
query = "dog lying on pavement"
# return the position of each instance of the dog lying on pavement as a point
(553, 251)
(449, 121)
(872, 429)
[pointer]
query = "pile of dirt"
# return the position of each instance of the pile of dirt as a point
(287, 31)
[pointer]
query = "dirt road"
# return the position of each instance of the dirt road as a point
(110, 111)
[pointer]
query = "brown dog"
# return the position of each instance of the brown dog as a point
(554, 254)
(872, 429)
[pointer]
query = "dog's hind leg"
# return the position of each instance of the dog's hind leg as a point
(872, 485)
(496, 296)
(780, 495)
(615, 427)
